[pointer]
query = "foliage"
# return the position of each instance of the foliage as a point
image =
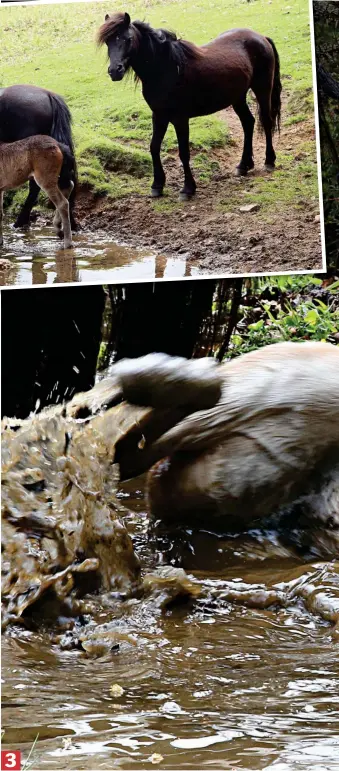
(299, 308)
(326, 19)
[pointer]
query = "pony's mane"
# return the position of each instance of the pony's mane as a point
(111, 27)
(178, 50)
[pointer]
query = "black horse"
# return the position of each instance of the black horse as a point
(181, 80)
(29, 110)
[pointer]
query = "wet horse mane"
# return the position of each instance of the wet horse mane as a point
(177, 51)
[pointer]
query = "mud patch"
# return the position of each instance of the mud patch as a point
(211, 231)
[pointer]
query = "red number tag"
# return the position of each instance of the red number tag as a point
(10, 760)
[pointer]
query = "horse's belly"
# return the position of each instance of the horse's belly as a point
(12, 178)
(239, 485)
(206, 103)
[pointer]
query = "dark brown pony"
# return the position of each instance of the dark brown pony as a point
(181, 81)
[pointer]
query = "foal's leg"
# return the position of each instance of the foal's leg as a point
(1, 215)
(182, 132)
(57, 224)
(160, 126)
(22, 219)
(61, 204)
(263, 94)
(247, 121)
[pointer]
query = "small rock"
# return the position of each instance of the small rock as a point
(254, 240)
(249, 207)
(156, 758)
(5, 264)
(116, 690)
(317, 218)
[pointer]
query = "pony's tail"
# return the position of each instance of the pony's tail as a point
(62, 131)
(276, 90)
(68, 169)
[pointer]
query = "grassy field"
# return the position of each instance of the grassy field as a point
(54, 47)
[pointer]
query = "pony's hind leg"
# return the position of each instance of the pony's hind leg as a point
(247, 121)
(22, 220)
(57, 222)
(1, 216)
(160, 126)
(263, 95)
(182, 132)
(62, 206)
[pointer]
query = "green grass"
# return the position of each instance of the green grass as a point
(54, 47)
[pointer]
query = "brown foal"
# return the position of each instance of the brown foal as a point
(47, 162)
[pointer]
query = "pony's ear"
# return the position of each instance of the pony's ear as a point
(161, 35)
(107, 17)
(127, 20)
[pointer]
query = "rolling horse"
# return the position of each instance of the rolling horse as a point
(181, 80)
(26, 111)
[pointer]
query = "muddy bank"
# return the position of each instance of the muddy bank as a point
(279, 234)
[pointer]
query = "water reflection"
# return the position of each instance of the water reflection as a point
(35, 258)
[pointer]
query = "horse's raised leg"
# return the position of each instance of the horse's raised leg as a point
(160, 126)
(263, 94)
(182, 132)
(1, 216)
(247, 121)
(22, 220)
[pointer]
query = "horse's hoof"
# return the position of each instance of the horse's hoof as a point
(156, 193)
(269, 167)
(69, 246)
(21, 225)
(185, 196)
(240, 172)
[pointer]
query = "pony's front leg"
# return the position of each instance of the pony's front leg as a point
(182, 132)
(1, 216)
(160, 126)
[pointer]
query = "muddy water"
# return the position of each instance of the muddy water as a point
(35, 258)
(220, 684)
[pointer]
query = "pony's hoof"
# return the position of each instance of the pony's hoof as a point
(185, 196)
(156, 193)
(269, 167)
(21, 225)
(68, 246)
(240, 172)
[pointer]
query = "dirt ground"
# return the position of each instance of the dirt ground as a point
(215, 240)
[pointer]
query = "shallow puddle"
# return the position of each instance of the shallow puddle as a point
(37, 259)
(217, 685)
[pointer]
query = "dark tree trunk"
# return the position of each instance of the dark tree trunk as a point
(50, 344)
(163, 317)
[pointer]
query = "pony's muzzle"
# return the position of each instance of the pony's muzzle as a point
(117, 72)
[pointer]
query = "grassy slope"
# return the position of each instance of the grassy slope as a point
(53, 46)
